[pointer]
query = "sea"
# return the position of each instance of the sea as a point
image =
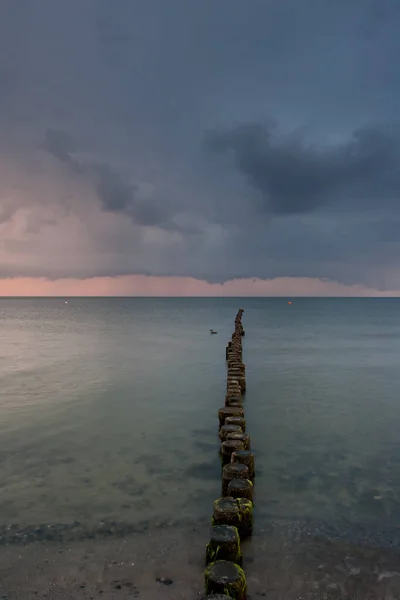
(108, 411)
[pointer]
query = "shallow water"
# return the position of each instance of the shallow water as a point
(108, 409)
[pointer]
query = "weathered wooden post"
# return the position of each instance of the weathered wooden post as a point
(237, 512)
(227, 429)
(245, 457)
(224, 544)
(243, 437)
(224, 577)
(228, 447)
(241, 488)
(233, 471)
(236, 420)
(229, 411)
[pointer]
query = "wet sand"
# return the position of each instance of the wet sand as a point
(283, 560)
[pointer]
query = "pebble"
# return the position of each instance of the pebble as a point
(164, 580)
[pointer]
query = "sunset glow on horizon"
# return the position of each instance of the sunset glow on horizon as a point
(146, 286)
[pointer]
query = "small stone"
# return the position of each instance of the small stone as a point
(164, 580)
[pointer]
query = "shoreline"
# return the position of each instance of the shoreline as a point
(283, 559)
(362, 534)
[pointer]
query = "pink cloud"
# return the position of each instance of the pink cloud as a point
(141, 285)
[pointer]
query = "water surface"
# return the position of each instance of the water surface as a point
(108, 408)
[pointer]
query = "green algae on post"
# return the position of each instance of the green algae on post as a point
(241, 488)
(226, 512)
(234, 511)
(224, 544)
(246, 514)
(225, 577)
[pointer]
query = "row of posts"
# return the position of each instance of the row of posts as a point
(232, 519)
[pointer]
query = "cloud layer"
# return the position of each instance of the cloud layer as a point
(293, 176)
(214, 141)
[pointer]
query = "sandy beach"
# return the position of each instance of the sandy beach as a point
(282, 561)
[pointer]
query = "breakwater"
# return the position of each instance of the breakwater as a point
(232, 519)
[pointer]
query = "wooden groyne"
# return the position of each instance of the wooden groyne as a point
(232, 519)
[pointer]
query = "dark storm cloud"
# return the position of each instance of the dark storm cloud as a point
(293, 176)
(125, 91)
(114, 192)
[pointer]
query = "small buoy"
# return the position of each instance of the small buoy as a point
(66, 302)
(289, 303)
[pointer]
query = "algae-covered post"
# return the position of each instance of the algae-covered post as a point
(224, 544)
(237, 512)
(225, 577)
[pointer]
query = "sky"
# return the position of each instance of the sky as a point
(199, 148)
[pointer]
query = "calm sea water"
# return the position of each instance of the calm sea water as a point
(108, 408)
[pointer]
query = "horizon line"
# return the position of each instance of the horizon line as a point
(150, 286)
(222, 297)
